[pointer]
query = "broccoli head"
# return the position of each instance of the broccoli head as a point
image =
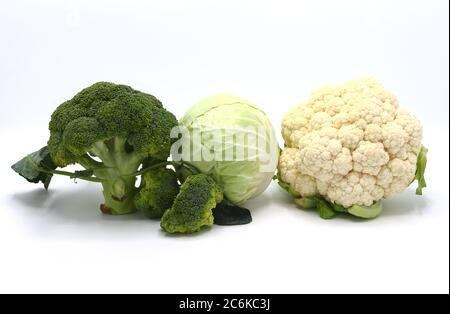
(192, 208)
(159, 187)
(122, 127)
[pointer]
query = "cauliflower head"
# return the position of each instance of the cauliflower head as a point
(351, 144)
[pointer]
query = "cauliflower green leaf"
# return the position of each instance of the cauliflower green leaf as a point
(287, 187)
(366, 212)
(328, 210)
(420, 170)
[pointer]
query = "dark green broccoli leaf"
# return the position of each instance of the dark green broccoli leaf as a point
(33, 167)
(229, 215)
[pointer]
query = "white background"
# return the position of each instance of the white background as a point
(272, 52)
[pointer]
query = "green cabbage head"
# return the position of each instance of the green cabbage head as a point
(232, 140)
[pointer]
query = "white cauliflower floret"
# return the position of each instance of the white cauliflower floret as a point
(351, 144)
(369, 158)
(303, 184)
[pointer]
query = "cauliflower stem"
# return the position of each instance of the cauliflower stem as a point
(328, 210)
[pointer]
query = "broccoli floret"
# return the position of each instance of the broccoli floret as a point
(192, 208)
(159, 187)
(121, 126)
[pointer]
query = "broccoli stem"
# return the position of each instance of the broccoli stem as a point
(191, 169)
(72, 175)
(118, 194)
(117, 176)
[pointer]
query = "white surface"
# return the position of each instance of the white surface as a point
(272, 52)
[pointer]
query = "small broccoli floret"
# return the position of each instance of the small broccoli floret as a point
(193, 206)
(121, 126)
(158, 190)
